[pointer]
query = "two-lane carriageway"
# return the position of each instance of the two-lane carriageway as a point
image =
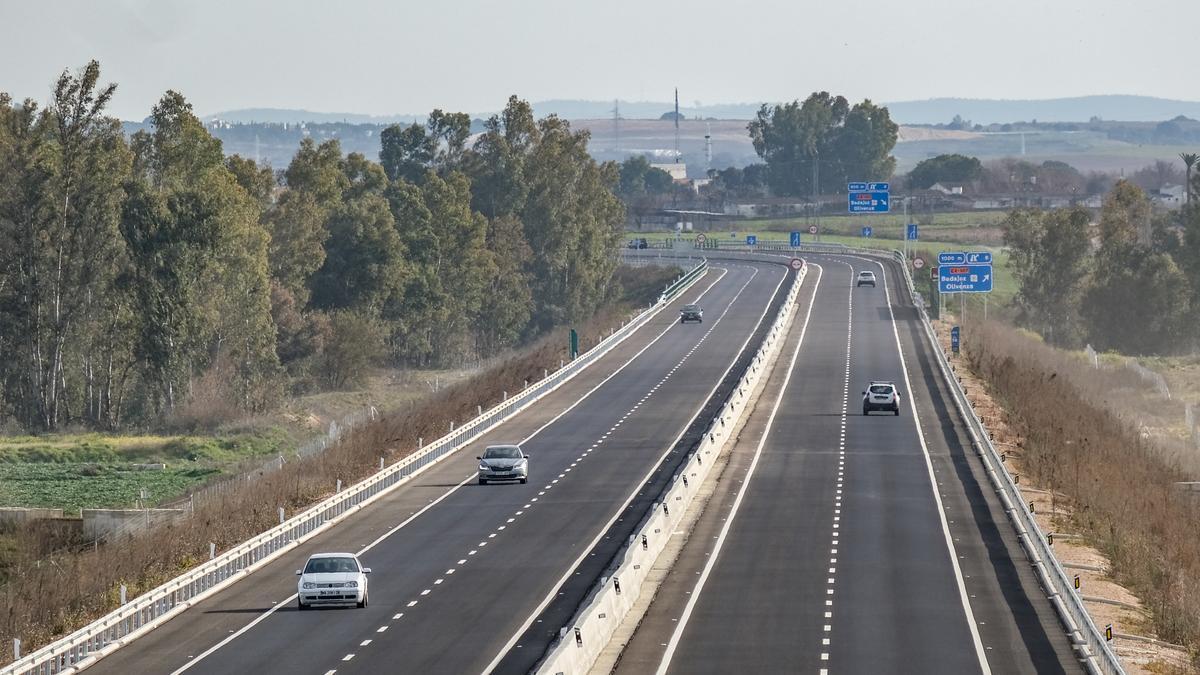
(460, 570)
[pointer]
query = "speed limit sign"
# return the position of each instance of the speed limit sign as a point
(812, 229)
(918, 263)
(700, 239)
(797, 264)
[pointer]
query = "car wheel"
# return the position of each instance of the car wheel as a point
(524, 481)
(483, 481)
(866, 410)
(896, 411)
(363, 604)
(300, 605)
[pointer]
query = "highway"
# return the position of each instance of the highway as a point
(460, 571)
(838, 543)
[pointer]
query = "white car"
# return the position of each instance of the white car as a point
(332, 579)
(866, 278)
(881, 396)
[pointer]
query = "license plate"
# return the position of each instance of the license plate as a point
(331, 592)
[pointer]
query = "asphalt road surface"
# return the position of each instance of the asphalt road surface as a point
(460, 571)
(843, 543)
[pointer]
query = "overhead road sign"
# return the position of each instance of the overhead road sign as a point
(945, 258)
(794, 239)
(965, 279)
(979, 258)
(867, 187)
(869, 202)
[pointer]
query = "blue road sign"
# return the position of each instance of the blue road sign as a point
(856, 187)
(945, 258)
(869, 202)
(878, 187)
(954, 339)
(912, 232)
(965, 278)
(751, 240)
(866, 231)
(795, 239)
(979, 258)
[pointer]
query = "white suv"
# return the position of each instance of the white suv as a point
(881, 396)
(866, 278)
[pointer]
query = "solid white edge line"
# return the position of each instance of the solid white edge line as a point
(616, 514)
(673, 643)
(980, 653)
(230, 638)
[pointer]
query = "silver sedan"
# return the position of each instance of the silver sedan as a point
(503, 462)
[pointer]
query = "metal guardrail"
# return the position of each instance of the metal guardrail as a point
(1093, 648)
(145, 612)
(614, 595)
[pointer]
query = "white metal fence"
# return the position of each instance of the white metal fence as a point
(142, 614)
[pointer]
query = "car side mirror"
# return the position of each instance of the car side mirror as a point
(478, 457)
(527, 455)
(297, 572)
(366, 570)
(864, 393)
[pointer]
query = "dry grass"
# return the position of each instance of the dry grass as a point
(1120, 480)
(49, 591)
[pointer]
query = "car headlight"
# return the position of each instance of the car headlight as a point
(351, 584)
(308, 585)
(484, 467)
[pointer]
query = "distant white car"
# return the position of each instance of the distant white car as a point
(866, 278)
(881, 396)
(332, 579)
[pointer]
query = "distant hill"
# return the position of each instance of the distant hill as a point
(1077, 109)
(290, 116)
(931, 111)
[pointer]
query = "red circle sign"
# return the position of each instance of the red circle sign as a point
(918, 263)
(797, 264)
(812, 229)
(700, 239)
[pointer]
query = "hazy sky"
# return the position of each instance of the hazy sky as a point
(406, 56)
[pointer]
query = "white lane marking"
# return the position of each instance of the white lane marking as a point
(676, 636)
(397, 616)
(381, 629)
(347, 657)
(654, 467)
(980, 653)
(364, 643)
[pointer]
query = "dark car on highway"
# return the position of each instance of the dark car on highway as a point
(691, 313)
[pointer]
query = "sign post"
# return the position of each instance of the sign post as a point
(954, 337)
(574, 344)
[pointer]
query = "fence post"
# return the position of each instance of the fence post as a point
(526, 384)
(212, 550)
(451, 425)
(339, 485)
(281, 515)
(478, 410)
(123, 594)
(545, 373)
(505, 396)
(16, 649)
(381, 464)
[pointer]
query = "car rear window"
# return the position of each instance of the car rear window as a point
(881, 389)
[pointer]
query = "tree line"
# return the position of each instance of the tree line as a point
(1129, 282)
(135, 270)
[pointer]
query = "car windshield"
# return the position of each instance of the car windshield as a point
(691, 308)
(503, 452)
(331, 565)
(866, 274)
(881, 389)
